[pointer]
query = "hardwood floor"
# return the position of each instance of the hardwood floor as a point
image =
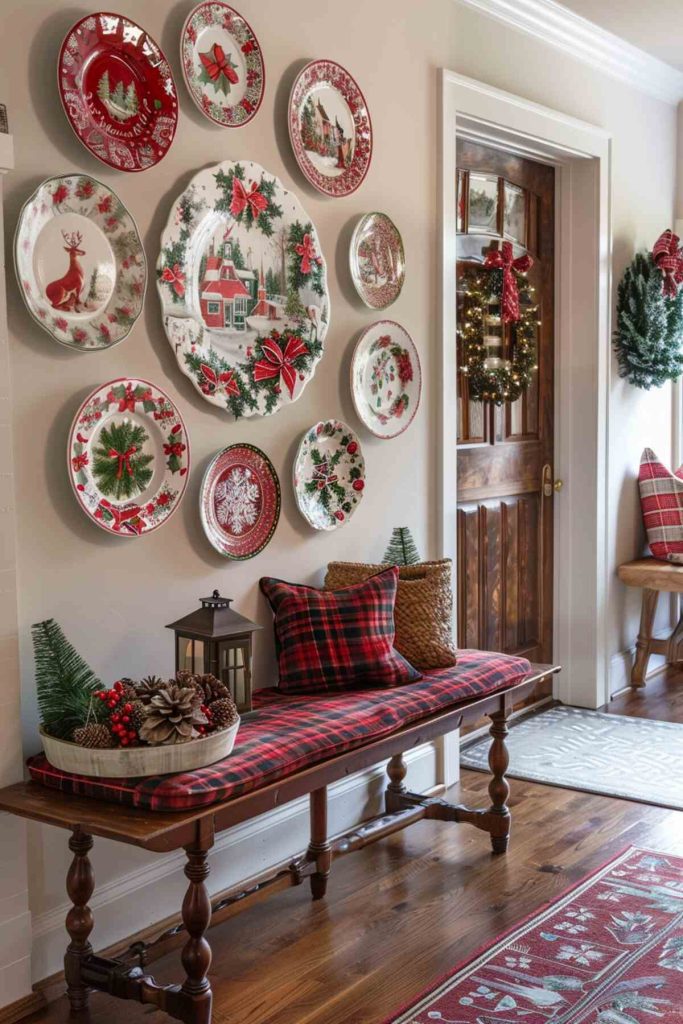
(406, 910)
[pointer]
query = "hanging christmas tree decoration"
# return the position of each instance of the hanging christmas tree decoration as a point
(668, 257)
(502, 259)
(402, 549)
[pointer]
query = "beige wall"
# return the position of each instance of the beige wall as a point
(112, 597)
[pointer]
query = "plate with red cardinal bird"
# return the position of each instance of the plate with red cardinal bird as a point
(117, 91)
(222, 64)
(243, 287)
(329, 475)
(80, 262)
(239, 501)
(128, 457)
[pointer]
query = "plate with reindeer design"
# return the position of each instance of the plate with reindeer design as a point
(329, 475)
(80, 262)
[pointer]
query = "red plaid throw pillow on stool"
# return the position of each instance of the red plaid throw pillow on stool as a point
(330, 640)
(661, 499)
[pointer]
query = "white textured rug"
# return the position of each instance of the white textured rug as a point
(632, 758)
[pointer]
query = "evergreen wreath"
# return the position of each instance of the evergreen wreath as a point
(248, 216)
(120, 465)
(649, 330)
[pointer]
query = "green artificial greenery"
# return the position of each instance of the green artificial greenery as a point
(402, 549)
(120, 466)
(66, 685)
(649, 330)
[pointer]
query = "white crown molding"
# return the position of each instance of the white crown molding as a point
(561, 28)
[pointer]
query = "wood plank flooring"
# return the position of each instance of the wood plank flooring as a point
(406, 910)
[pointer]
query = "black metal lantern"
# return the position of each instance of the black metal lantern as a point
(218, 640)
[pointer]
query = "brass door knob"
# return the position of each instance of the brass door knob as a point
(558, 485)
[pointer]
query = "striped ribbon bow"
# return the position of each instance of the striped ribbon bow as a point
(668, 256)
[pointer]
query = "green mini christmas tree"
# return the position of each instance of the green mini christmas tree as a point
(649, 330)
(401, 550)
(66, 685)
(120, 466)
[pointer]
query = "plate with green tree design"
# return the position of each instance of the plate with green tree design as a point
(386, 379)
(329, 475)
(243, 287)
(128, 457)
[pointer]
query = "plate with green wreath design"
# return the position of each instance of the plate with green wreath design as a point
(128, 457)
(243, 287)
(329, 475)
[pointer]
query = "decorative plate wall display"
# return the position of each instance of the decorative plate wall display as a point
(330, 128)
(239, 501)
(243, 287)
(80, 263)
(129, 455)
(386, 378)
(117, 91)
(222, 64)
(329, 475)
(377, 260)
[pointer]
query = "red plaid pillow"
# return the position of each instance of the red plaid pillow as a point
(661, 499)
(330, 640)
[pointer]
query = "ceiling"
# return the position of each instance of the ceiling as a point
(655, 28)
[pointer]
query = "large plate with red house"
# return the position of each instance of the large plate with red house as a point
(80, 262)
(243, 288)
(239, 501)
(117, 91)
(128, 457)
(330, 128)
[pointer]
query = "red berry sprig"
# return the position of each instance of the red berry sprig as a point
(119, 717)
(202, 729)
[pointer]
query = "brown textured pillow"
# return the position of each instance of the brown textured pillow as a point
(424, 608)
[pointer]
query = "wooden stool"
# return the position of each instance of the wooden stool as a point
(652, 577)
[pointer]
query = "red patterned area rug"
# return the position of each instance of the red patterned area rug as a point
(610, 951)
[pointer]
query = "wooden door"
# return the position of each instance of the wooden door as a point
(505, 453)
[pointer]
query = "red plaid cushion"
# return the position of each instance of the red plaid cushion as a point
(661, 499)
(288, 734)
(330, 640)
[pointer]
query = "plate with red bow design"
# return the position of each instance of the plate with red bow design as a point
(222, 64)
(243, 286)
(239, 501)
(329, 475)
(128, 456)
(117, 91)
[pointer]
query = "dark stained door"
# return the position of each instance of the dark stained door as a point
(505, 453)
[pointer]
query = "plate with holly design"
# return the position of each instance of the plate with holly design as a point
(330, 128)
(239, 501)
(80, 262)
(129, 457)
(243, 287)
(117, 91)
(329, 475)
(222, 64)
(386, 379)
(377, 260)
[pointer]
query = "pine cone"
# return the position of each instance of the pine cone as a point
(138, 714)
(129, 693)
(212, 688)
(94, 737)
(148, 688)
(223, 713)
(173, 716)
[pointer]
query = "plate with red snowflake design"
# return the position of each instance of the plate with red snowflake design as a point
(222, 64)
(117, 91)
(239, 501)
(330, 128)
(386, 379)
(129, 456)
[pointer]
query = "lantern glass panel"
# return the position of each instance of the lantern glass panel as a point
(234, 670)
(190, 655)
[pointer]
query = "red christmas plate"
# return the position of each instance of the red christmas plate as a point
(117, 91)
(239, 501)
(330, 128)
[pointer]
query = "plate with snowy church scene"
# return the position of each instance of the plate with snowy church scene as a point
(243, 287)
(377, 260)
(386, 379)
(239, 501)
(80, 262)
(329, 475)
(129, 456)
(222, 64)
(117, 91)
(330, 128)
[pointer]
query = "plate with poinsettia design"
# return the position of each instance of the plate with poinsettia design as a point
(330, 128)
(386, 379)
(377, 260)
(80, 262)
(222, 64)
(128, 456)
(329, 475)
(117, 91)
(239, 501)
(243, 287)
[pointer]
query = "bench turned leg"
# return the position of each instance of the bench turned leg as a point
(647, 618)
(499, 790)
(80, 884)
(196, 954)
(319, 848)
(397, 770)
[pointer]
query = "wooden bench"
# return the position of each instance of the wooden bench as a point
(194, 830)
(653, 577)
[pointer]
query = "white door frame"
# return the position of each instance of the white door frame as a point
(582, 155)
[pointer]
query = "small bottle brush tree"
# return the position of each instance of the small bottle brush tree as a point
(66, 684)
(401, 550)
(649, 330)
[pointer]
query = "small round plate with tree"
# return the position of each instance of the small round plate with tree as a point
(329, 475)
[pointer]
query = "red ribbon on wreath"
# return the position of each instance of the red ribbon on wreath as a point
(278, 363)
(241, 199)
(306, 250)
(124, 460)
(667, 255)
(502, 259)
(176, 278)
